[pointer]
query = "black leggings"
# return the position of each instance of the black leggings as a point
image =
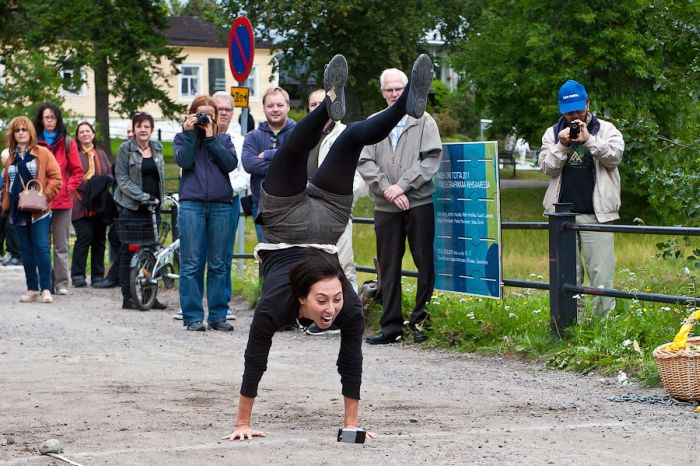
(287, 174)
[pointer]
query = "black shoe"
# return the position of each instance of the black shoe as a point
(128, 304)
(197, 326)
(419, 85)
(419, 337)
(383, 338)
(221, 325)
(79, 282)
(105, 283)
(334, 77)
(159, 305)
(315, 330)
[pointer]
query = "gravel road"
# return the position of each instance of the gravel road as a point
(134, 388)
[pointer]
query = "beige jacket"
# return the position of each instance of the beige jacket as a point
(412, 167)
(606, 147)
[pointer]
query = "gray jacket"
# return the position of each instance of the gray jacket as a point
(412, 167)
(606, 148)
(128, 192)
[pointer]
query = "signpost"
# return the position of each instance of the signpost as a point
(241, 50)
(467, 220)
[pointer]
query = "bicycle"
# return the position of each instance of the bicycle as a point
(152, 263)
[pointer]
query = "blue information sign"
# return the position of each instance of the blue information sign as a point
(467, 220)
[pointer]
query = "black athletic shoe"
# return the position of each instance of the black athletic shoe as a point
(79, 282)
(105, 283)
(315, 330)
(419, 85)
(197, 326)
(334, 77)
(383, 338)
(221, 325)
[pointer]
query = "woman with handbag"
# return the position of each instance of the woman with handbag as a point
(91, 206)
(51, 133)
(31, 166)
(139, 171)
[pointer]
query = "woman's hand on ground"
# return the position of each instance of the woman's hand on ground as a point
(244, 433)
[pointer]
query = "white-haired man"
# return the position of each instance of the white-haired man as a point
(399, 175)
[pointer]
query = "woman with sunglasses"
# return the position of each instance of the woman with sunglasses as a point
(28, 161)
(51, 133)
(140, 171)
(91, 206)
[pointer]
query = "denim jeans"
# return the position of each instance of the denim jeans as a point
(205, 228)
(235, 212)
(36, 255)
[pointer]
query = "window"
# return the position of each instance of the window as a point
(190, 83)
(69, 87)
(253, 83)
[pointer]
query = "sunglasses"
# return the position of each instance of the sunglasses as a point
(20, 130)
(274, 142)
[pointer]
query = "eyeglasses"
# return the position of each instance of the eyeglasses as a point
(48, 117)
(225, 109)
(20, 130)
(395, 89)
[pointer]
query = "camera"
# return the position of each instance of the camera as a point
(202, 119)
(352, 435)
(574, 130)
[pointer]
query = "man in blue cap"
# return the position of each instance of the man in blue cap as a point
(581, 154)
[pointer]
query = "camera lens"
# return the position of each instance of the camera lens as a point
(202, 119)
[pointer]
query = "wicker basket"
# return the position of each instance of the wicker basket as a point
(680, 369)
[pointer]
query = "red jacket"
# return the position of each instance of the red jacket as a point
(71, 171)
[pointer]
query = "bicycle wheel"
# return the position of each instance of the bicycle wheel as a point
(143, 289)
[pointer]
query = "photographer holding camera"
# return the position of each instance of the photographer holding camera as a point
(581, 154)
(206, 212)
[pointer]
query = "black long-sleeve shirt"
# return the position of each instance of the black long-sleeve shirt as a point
(277, 308)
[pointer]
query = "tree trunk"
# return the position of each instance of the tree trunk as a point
(102, 104)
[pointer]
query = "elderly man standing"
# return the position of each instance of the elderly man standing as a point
(581, 154)
(399, 175)
(261, 144)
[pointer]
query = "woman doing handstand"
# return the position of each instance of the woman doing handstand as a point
(301, 274)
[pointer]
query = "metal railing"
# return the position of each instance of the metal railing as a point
(562, 287)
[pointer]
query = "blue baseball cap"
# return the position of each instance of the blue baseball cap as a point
(572, 97)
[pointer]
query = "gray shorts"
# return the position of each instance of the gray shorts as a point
(313, 216)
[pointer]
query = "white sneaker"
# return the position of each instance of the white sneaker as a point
(62, 291)
(178, 315)
(230, 315)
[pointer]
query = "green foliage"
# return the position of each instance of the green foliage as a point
(28, 79)
(441, 93)
(372, 34)
(208, 10)
(675, 248)
(297, 114)
(121, 41)
(459, 108)
(639, 62)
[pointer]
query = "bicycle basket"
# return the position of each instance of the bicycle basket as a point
(140, 231)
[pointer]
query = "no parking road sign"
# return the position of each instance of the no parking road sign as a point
(241, 47)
